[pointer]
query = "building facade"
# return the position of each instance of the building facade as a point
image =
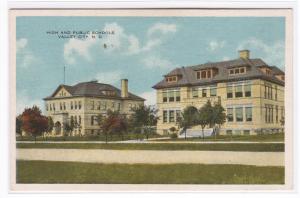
(83, 102)
(251, 92)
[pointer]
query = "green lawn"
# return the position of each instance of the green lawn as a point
(101, 137)
(275, 147)
(278, 137)
(88, 173)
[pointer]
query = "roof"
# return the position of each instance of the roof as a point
(189, 75)
(93, 89)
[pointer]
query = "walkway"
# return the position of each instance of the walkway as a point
(153, 157)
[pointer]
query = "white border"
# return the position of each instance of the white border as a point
(4, 105)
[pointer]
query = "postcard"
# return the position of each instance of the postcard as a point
(151, 100)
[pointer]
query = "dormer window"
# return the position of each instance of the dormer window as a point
(280, 77)
(238, 70)
(204, 74)
(108, 93)
(171, 79)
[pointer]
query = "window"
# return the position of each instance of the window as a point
(228, 132)
(213, 91)
(165, 132)
(204, 93)
(208, 74)
(230, 114)
(165, 116)
(198, 75)
(92, 105)
(75, 104)
(165, 97)
(266, 114)
(276, 114)
(103, 105)
(268, 91)
(50, 107)
(171, 79)
(71, 104)
(242, 70)
(246, 132)
(238, 91)
(271, 114)
(177, 95)
(237, 71)
(130, 106)
(195, 92)
(53, 106)
(113, 105)
(247, 89)
(229, 92)
(75, 121)
(60, 106)
(178, 115)
(237, 132)
(171, 96)
(65, 106)
(79, 105)
(92, 120)
(239, 114)
(203, 74)
(275, 92)
(171, 116)
(119, 106)
(99, 105)
(248, 114)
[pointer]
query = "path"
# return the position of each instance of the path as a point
(153, 157)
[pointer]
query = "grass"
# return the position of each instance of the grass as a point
(257, 147)
(88, 173)
(278, 137)
(101, 137)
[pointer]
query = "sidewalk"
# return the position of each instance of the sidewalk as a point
(153, 157)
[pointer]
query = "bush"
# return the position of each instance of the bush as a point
(173, 135)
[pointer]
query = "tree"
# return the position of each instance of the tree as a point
(114, 123)
(218, 116)
(188, 118)
(172, 129)
(143, 119)
(19, 125)
(205, 116)
(33, 121)
(50, 124)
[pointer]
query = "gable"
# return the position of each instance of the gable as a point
(62, 92)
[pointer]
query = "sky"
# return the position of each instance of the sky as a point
(141, 49)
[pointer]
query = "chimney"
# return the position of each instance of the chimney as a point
(124, 88)
(244, 54)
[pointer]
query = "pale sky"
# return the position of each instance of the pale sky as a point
(142, 49)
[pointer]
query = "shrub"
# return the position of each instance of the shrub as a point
(173, 135)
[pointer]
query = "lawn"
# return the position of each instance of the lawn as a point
(257, 147)
(89, 173)
(278, 137)
(101, 137)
